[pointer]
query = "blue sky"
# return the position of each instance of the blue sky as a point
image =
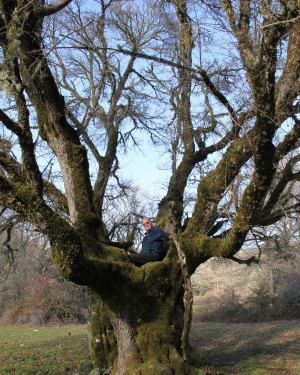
(146, 168)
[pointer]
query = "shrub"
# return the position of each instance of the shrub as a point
(287, 303)
(43, 301)
(261, 305)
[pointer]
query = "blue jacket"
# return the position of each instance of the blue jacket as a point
(153, 241)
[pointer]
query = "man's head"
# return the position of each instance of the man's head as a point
(147, 223)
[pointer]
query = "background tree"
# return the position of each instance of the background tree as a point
(77, 93)
(32, 291)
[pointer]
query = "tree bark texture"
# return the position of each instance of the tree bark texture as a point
(144, 334)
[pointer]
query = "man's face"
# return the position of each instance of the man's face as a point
(147, 224)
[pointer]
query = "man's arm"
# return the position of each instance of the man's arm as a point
(159, 234)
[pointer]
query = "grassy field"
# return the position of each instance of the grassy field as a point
(271, 348)
(252, 348)
(44, 350)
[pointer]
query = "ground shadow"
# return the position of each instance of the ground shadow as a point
(225, 344)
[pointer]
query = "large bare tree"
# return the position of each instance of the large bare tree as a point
(79, 89)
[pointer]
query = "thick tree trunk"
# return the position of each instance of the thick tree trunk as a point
(141, 339)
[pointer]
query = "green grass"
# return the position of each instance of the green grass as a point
(229, 349)
(271, 348)
(44, 350)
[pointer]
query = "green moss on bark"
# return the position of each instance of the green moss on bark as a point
(103, 344)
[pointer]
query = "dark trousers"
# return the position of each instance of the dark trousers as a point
(142, 258)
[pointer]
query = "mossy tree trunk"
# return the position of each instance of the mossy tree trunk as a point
(138, 328)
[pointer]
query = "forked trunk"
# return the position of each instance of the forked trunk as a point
(144, 336)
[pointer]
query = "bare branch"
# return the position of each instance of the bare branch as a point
(286, 177)
(248, 262)
(290, 142)
(51, 9)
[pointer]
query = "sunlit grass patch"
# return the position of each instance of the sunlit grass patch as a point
(44, 350)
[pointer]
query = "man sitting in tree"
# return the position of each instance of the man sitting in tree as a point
(152, 245)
